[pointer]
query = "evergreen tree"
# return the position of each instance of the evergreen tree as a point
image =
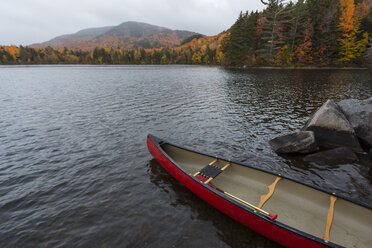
(276, 16)
(298, 17)
(237, 46)
(323, 16)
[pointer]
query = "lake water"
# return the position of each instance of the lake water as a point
(74, 166)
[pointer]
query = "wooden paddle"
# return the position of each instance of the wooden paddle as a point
(272, 217)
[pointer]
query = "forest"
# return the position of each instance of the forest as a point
(302, 33)
(312, 32)
(205, 50)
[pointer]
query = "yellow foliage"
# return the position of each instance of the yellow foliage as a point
(197, 58)
(12, 50)
(349, 22)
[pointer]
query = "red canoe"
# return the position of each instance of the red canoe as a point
(284, 210)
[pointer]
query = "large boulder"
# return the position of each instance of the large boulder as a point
(359, 114)
(340, 155)
(331, 128)
(300, 142)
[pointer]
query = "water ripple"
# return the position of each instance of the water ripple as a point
(75, 170)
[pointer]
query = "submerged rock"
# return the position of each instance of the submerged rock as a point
(359, 114)
(331, 128)
(300, 142)
(340, 155)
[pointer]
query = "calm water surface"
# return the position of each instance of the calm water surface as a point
(75, 170)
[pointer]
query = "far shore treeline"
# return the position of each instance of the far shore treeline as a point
(205, 50)
(304, 33)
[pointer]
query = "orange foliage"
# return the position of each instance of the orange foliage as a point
(349, 22)
(12, 50)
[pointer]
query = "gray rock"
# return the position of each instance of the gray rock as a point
(359, 114)
(300, 142)
(331, 128)
(364, 133)
(340, 155)
(370, 154)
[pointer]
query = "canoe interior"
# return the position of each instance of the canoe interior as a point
(297, 205)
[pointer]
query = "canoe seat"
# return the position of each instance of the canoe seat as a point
(210, 171)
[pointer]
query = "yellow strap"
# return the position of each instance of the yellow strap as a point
(271, 188)
(330, 218)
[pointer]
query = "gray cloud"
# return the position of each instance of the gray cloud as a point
(29, 21)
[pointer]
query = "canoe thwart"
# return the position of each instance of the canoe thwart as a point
(266, 197)
(208, 181)
(330, 218)
(226, 166)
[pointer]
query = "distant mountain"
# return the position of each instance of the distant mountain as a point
(127, 35)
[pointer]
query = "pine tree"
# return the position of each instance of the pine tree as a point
(240, 43)
(323, 16)
(298, 17)
(277, 15)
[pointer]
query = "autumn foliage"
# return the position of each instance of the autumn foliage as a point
(206, 50)
(311, 32)
(353, 42)
(304, 33)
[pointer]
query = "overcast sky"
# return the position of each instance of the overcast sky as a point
(23, 22)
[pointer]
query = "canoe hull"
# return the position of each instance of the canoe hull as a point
(254, 221)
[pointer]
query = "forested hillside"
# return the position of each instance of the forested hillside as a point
(312, 32)
(301, 33)
(206, 50)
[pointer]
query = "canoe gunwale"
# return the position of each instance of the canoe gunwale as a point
(158, 144)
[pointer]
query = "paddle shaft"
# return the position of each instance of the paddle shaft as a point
(273, 217)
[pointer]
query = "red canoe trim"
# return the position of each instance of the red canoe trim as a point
(273, 230)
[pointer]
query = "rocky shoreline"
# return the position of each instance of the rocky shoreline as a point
(334, 134)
